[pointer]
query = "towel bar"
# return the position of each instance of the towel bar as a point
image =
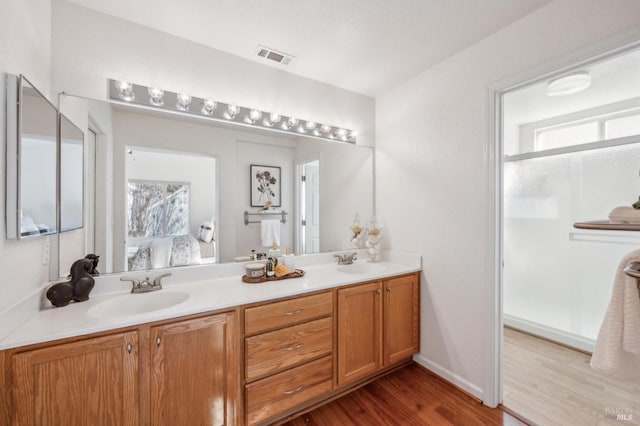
(282, 214)
(633, 270)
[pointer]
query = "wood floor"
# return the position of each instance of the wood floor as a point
(410, 396)
(550, 384)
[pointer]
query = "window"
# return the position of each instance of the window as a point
(622, 126)
(158, 209)
(566, 136)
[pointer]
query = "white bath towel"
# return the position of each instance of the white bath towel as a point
(161, 252)
(624, 214)
(617, 350)
(270, 232)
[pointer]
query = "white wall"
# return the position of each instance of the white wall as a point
(25, 28)
(89, 47)
(431, 169)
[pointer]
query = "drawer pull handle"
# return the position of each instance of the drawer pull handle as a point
(293, 348)
(299, 311)
(291, 392)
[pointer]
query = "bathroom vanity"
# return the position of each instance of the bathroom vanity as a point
(230, 353)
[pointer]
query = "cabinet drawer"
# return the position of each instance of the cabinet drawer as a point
(277, 350)
(281, 392)
(280, 314)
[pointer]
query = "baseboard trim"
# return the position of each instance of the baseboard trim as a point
(449, 376)
(563, 337)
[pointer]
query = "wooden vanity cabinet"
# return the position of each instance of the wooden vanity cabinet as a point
(195, 372)
(288, 354)
(93, 381)
(180, 372)
(378, 326)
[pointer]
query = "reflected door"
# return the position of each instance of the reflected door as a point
(310, 209)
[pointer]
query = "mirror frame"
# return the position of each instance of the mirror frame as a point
(14, 108)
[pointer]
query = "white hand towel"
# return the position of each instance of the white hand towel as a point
(270, 232)
(161, 252)
(617, 350)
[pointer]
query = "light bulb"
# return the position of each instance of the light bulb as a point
(208, 105)
(290, 123)
(352, 134)
(183, 101)
(272, 119)
(309, 125)
(253, 116)
(156, 96)
(125, 90)
(325, 128)
(231, 112)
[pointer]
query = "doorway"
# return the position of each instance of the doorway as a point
(571, 146)
(309, 207)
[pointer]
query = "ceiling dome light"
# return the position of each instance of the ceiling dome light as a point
(208, 106)
(156, 96)
(569, 84)
(125, 90)
(183, 101)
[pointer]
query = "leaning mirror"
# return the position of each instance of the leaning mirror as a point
(31, 161)
(171, 189)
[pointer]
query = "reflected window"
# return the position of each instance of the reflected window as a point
(158, 209)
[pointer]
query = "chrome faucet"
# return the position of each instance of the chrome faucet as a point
(346, 259)
(145, 285)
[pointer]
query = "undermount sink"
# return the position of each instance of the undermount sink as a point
(136, 304)
(361, 268)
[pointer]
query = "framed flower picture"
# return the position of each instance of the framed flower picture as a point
(265, 185)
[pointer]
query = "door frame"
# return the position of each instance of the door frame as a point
(493, 159)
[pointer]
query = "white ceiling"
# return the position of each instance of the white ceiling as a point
(366, 46)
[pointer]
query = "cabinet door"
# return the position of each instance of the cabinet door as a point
(92, 382)
(195, 375)
(401, 318)
(359, 331)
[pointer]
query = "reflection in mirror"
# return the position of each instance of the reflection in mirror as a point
(31, 161)
(71, 175)
(169, 195)
(128, 238)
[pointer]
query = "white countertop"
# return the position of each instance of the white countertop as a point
(204, 295)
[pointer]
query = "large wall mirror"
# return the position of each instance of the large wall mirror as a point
(170, 189)
(31, 161)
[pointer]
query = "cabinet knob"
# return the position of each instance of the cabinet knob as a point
(291, 392)
(129, 347)
(158, 342)
(389, 290)
(378, 291)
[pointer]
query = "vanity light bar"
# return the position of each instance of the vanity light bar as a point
(155, 97)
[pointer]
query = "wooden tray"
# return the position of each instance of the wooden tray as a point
(295, 274)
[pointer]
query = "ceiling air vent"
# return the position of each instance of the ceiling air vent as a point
(273, 55)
